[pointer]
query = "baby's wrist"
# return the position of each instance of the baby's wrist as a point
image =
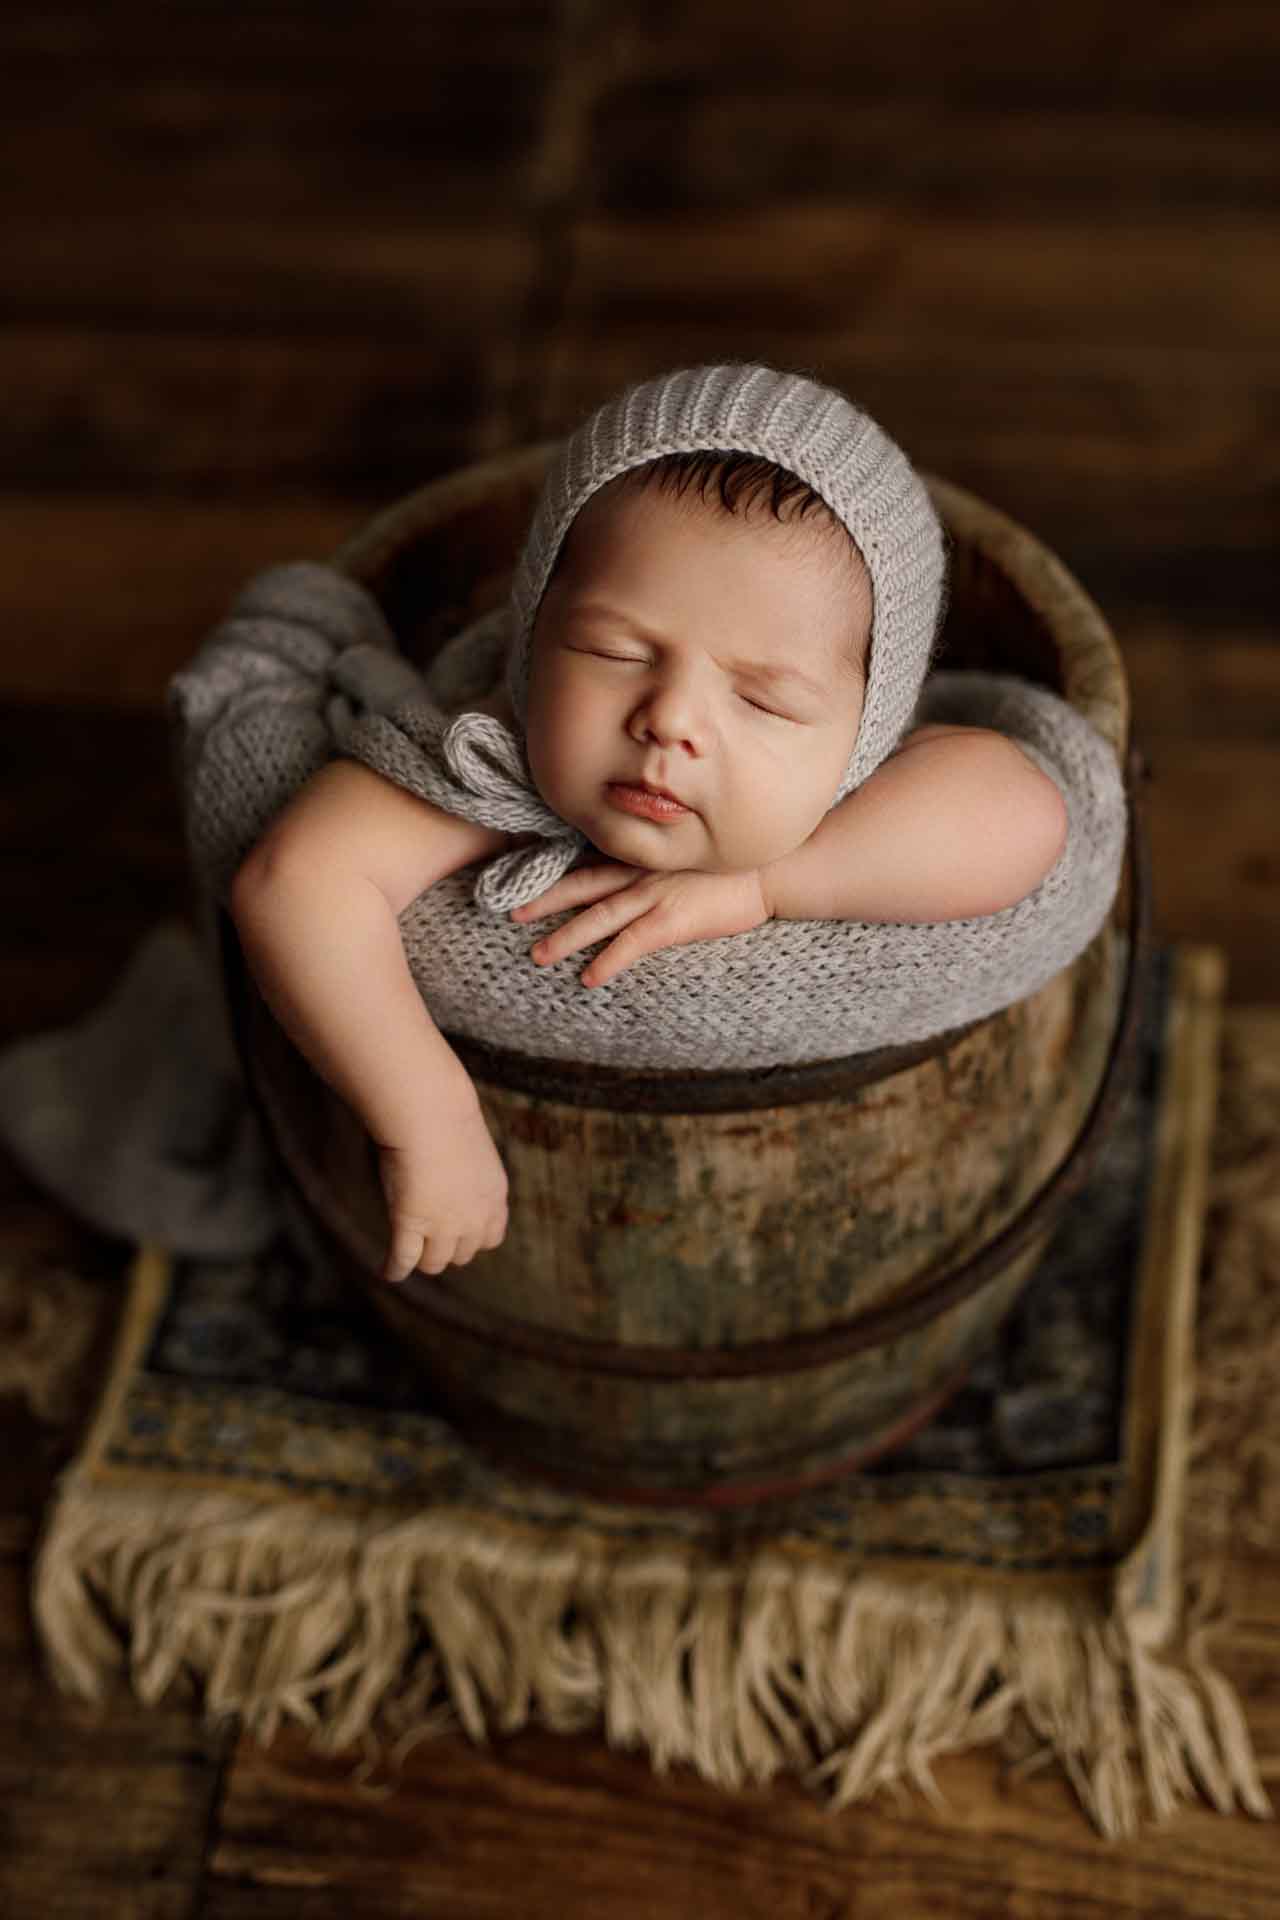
(447, 1098)
(777, 889)
(433, 1095)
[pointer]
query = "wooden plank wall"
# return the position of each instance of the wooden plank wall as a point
(265, 266)
(268, 267)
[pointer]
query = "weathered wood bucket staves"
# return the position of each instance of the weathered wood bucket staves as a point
(720, 1287)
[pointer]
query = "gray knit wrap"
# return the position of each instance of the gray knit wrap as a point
(304, 663)
(813, 432)
(305, 667)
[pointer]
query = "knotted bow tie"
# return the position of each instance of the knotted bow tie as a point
(472, 766)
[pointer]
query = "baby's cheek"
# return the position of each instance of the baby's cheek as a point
(745, 836)
(544, 754)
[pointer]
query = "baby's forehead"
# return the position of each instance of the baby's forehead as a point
(802, 534)
(812, 555)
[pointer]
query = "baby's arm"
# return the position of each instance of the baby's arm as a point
(315, 905)
(957, 823)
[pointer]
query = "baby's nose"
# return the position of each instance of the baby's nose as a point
(673, 713)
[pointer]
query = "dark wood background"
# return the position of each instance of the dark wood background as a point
(263, 268)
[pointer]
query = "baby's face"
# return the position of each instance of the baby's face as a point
(717, 656)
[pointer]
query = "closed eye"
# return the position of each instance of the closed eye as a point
(598, 653)
(771, 711)
(634, 660)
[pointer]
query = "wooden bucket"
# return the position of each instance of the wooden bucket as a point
(721, 1287)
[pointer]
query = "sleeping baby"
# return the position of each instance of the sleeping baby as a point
(710, 723)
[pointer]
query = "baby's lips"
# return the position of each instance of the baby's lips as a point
(639, 786)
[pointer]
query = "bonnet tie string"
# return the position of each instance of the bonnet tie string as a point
(487, 762)
(472, 766)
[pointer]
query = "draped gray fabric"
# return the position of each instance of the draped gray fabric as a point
(305, 668)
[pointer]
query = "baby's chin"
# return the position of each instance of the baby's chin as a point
(654, 853)
(661, 851)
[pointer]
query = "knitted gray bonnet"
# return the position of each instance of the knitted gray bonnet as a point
(481, 771)
(813, 432)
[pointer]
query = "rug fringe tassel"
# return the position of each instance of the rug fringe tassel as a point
(383, 1630)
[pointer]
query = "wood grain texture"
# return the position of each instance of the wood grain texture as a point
(1216, 853)
(1089, 57)
(104, 1809)
(105, 598)
(584, 1831)
(285, 112)
(267, 415)
(1005, 352)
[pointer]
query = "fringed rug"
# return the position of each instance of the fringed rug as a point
(264, 1509)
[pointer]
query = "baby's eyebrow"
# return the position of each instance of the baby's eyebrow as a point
(599, 610)
(763, 670)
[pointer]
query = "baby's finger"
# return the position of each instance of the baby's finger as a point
(495, 1232)
(585, 883)
(606, 917)
(403, 1253)
(644, 935)
(437, 1252)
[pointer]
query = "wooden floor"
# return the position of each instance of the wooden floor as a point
(266, 266)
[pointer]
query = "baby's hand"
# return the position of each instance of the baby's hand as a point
(446, 1196)
(653, 910)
